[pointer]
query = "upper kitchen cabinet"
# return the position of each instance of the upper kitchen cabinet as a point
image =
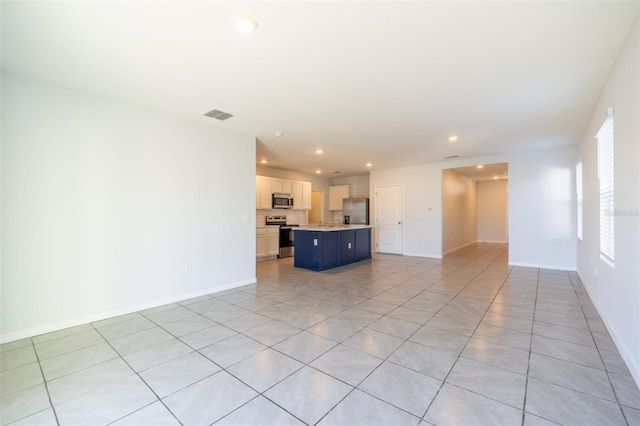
(301, 195)
(264, 189)
(336, 194)
(266, 186)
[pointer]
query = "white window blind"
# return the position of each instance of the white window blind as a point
(605, 177)
(579, 198)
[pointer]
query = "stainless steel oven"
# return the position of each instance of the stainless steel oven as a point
(285, 240)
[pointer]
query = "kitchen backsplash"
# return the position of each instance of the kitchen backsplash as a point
(294, 217)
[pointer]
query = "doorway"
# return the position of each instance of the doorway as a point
(316, 214)
(474, 206)
(389, 219)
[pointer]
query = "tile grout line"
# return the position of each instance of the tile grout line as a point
(526, 383)
(606, 370)
(46, 385)
(140, 377)
(469, 338)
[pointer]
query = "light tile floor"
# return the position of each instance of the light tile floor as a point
(397, 340)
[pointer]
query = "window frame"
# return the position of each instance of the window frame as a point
(606, 189)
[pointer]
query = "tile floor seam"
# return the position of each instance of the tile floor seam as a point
(526, 384)
(46, 386)
(158, 399)
(464, 280)
(468, 338)
(613, 388)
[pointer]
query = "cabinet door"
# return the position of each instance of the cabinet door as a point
(363, 243)
(336, 194)
(265, 192)
(276, 185)
(347, 246)
(273, 241)
(306, 195)
(297, 195)
(329, 249)
(261, 242)
(286, 186)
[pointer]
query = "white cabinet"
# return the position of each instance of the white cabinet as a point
(297, 195)
(261, 242)
(264, 190)
(267, 241)
(301, 191)
(286, 186)
(273, 240)
(336, 194)
(276, 185)
(301, 195)
(306, 195)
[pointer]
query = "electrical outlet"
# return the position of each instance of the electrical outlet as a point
(188, 266)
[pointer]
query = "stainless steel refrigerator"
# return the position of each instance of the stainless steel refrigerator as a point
(357, 209)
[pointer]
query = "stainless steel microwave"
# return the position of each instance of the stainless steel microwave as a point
(282, 201)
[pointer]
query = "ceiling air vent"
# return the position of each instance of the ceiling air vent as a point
(448, 157)
(219, 115)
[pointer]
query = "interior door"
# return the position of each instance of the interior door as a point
(389, 219)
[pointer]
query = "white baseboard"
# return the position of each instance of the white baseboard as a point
(35, 331)
(627, 357)
(459, 247)
(430, 256)
(492, 242)
(536, 265)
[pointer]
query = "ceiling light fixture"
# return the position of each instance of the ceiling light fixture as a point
(279, 134)
(453, 138)
(319, 151)
(246, 24)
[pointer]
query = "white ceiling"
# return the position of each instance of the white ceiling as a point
(484, 171)
(385, 82)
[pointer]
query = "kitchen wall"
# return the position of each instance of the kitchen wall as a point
(615, 289)
(541, 206)
(459, 211)
(105, 206)
(492, 210)
(358, 185)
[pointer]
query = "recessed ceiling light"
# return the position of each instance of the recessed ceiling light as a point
(246, 24)
(369, 164)
(263, 161)
(319, 151)
(453, 138)
(279, 134)
(480, 166)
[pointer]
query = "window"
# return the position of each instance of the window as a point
(579, 198)
(605, 178)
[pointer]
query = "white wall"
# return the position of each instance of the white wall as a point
(615, 291)
(459, 211)
(103, 204)
(358, 185)
(492, 210)
(541, 206)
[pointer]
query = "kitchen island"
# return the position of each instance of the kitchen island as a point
(325, 247)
